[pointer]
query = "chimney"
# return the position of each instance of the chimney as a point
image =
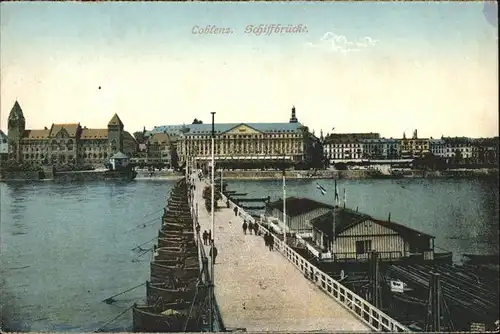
(415, 134)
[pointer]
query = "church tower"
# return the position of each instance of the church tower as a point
(16, 127)
(115, 135)
(293, 119)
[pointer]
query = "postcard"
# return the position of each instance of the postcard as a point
(249, 166)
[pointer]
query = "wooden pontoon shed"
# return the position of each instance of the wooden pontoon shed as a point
(299, 212)
(357, 234)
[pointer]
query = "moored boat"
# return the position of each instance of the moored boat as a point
(159, 270)
(171, 317)
(159, 290)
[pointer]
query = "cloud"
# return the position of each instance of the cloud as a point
(340, 43)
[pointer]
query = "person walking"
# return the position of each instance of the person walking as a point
(209, 235)
(266, 239)
(256, 228)
(271, 243)
(250, 227)
(205, 237)
(198, 228)
(235, 211)
(215, 252)
(245, 227)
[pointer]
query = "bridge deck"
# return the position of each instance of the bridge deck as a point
(260, 290)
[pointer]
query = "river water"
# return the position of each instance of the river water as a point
(65, 247)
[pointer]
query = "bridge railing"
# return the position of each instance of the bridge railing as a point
(363, 310)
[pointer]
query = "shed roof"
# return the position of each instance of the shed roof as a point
(119, 155)
(296, 206)
(346, 219)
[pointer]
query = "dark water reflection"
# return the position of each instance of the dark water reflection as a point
(67, 246)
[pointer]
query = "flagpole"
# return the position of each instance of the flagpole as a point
(284, 201)
(212, 285)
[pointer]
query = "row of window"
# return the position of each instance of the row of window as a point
(252, 136)
(63, 148)
(54, 157)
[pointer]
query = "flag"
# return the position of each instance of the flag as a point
(323, 191)
(336, 193)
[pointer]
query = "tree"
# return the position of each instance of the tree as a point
(197, 121)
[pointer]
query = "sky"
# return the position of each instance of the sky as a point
(347, 67)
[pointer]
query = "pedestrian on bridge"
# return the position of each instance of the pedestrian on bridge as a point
(205, 237)
(250, 227)
(271, 242)
(245, 227)
(215, 252)
(235, 211)
(256, 228)
(266, 239)
(198, 228)
(209, 235)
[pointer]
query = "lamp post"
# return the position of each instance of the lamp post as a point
(284, 201)
(212, 285)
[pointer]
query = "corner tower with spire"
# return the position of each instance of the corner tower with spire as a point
(16, 127)
(115, 135)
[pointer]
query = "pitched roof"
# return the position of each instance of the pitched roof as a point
(346, 218)
(115, 120)
(16, 112)
(160, 138)
(298, 205)
(71, 128)
(94, 134)
(206, 129)
(36, 134)
(2, 134)
(119, 155)
(128, 137)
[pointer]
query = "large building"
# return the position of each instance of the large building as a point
(68, 143)
(244, 144)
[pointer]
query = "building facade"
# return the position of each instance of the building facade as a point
(459, 148)
(414, 147)
(243, 144)
(4, 146)
(485, 151)
(68, 143)
(437, 147)
(381, 149)
(345, 147)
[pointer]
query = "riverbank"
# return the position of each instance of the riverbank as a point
(269, 175)
(355, 174)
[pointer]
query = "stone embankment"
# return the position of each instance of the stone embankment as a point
(158, 175)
